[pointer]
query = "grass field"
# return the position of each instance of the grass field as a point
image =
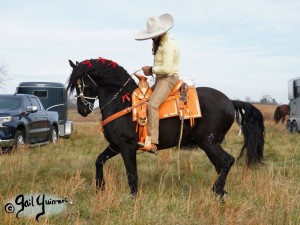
(169, 192)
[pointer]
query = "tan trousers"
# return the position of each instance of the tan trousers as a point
(162, 89)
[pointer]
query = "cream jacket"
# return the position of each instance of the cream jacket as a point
(166, 60)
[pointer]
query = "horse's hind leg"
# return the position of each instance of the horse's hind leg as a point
(108, 153)
(222, 162)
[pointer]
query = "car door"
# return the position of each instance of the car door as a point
(39, 121)
(30, 118)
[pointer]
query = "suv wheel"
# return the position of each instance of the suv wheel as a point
(6, 150)
(19, 140)
(53, 135)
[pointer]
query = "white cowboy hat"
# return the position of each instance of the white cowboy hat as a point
(156, 26)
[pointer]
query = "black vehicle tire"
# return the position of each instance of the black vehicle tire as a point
(294, 127)
(6, 150)
(19, 142)
(53, 135)
(289, 126)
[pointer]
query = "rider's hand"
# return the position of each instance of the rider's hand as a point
(147, 70)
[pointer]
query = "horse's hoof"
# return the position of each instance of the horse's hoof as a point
(222, 197)
(133, 196)
(100, 188)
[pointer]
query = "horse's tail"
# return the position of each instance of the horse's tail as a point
(251, 122)
(277, 115)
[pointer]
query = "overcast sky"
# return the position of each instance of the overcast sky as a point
(242, 48)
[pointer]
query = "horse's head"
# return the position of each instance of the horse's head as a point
(99, 78)
(84, 85)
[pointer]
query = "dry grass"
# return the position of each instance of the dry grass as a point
(173, 188)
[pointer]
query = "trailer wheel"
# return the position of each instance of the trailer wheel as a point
(294, 127)
(53, 135)
(289, 126)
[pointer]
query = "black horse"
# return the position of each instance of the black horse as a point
(107, 81)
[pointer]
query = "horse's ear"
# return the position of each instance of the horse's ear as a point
(72, 64)
(77, 63)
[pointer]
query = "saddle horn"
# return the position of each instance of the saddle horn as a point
(140, 76)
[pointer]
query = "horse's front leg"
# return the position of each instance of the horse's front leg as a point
(129, 158)
(282, 119)
(108, 153)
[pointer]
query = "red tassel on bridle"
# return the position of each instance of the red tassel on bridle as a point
(88, 63)
(101, 60)
(126, 96)
(112, 63)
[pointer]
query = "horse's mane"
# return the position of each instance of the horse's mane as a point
(100, 69)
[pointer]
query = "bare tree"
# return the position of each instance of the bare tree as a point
(247, 99)
(267, 99)
(3, 74)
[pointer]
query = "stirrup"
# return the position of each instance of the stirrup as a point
(150, 148)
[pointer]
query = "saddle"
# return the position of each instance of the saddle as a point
(182, 102)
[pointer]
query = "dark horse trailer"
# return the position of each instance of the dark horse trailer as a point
(293, 123)
(54, 98)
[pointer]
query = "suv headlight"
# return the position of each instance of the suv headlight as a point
(4, 119)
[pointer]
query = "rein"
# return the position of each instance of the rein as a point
(116, 95)
(83, 97)
(124, 111)
(114, 116)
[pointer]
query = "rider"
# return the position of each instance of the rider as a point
(166, 67)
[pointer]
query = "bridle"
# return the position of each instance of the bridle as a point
(81, 85)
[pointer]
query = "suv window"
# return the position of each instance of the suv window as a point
(35, 102)
(9, 103)
(26, 102)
